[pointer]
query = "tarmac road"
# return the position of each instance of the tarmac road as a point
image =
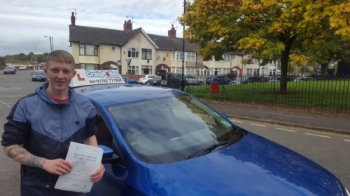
(12, 88)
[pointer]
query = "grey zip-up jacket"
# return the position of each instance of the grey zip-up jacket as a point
(45, 128)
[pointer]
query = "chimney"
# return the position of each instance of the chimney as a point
(127, 26)
(172, 32)
(72, 19)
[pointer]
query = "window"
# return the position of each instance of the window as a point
(249, 72)
(191, 71)
(272, 72)
(176, 70)
(226, 70)
(87, 66)
(176, 56)
(256, 72)
(146, 54)
(133, 53)
(88, 50)
(189, 56)
(226, 57)
(133, 69)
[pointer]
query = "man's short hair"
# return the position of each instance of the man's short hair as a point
(60, 56)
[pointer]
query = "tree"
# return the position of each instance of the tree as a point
(2, 61)
(270, 29)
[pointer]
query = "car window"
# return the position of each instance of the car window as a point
(150, 76)
(169, 129)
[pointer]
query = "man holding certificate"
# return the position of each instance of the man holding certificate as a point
(42, 126)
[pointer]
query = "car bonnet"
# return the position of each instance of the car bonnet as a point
(253, 166)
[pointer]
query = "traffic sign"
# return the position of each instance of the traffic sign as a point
(128, 61)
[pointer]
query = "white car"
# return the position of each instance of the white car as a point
(193, 80)
(144, 79)
(23, 67)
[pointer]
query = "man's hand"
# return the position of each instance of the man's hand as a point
(97, 176)
(57, 166)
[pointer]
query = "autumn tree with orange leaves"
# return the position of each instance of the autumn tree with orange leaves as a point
(269, 29)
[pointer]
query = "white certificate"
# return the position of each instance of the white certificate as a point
(85, 160)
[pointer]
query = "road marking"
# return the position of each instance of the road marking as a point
(286, 130)
(16, 88)
(318, 135)
(347, 140)
(236, 121)
(257, 125)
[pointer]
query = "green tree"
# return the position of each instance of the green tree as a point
(270, 29)
(2, 61)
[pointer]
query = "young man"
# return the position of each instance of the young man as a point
(41, 126)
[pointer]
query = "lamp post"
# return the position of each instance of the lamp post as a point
(183, 51)
(51, 42)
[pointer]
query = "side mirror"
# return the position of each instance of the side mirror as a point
(108, 155)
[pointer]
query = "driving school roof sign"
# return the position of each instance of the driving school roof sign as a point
(91, 77)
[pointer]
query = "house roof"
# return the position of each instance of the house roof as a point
(175, 44)
(96, 36)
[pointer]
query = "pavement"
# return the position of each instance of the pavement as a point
(316, 121)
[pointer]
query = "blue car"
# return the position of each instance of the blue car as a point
(130, 81)
(220, 79)
(161, 142)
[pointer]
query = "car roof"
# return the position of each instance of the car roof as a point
(111, 94)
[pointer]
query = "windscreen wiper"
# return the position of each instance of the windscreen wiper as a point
(212, 147)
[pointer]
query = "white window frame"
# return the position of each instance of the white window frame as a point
(133, 53)
(88, 50)
(226, 57)
(146, 54)
(249, 71)
(133, 69)
(189, 56)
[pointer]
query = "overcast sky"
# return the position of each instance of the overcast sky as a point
(25, 23)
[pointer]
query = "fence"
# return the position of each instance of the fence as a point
(329, 95)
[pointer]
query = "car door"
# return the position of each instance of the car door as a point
(113, 181)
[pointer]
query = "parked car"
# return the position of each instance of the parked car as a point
(9, 70)
(39, 75)
(220, 79)
(154, 82)
(302, 78)
(23, 67)
(161, 141)
(143, 79)
(130, 81)
(255, 79)
(193, 80)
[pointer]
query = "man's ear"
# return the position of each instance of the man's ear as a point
(74, 73)
(45, 70)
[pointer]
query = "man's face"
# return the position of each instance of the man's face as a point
(59, 75)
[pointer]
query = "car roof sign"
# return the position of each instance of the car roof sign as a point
(92, 77)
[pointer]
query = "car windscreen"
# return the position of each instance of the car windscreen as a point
(170, 129)
(38, 73)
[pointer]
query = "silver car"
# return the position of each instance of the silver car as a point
(193, 80)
